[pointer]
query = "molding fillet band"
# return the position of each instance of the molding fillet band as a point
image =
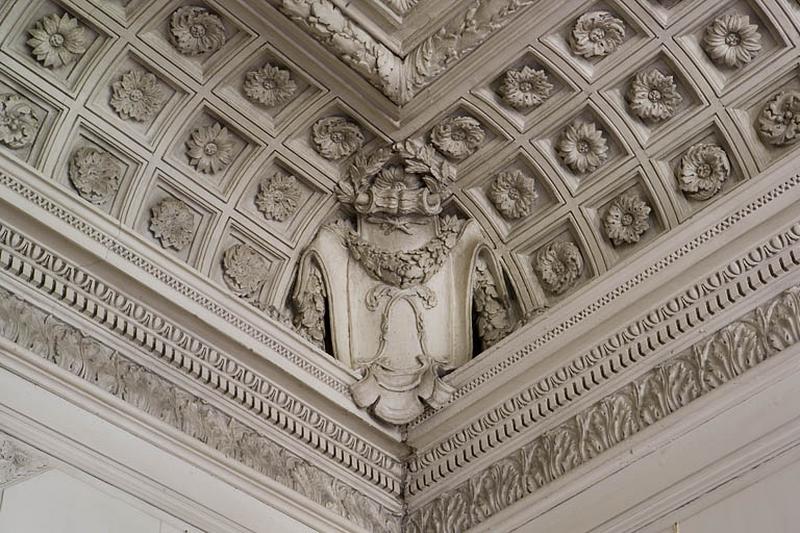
(673, 384)
(89, 359)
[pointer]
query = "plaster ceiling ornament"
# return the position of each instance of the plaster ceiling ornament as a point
(458, 137)
(627, 219)
(401, 275)
(653, 96)
(172, 223)
(245, 270)
(18, 123)
(582, 147)
(137, 96)
(703, 170)
(58, 41)
(94, 174)
(779, 121)
(732, 41)
(269, 85)
(513, 194)
(18, 462)
(210, 148)
(194, 30)
(559, 265)
(597, 34)
(336, 138)
(278, 197)
(525, 88)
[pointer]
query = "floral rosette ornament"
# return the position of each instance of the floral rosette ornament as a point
(94, 174)
(136, 96)
(278, 197)
(210, 148)
(582, 147)
(653, 96)
(269, 85)
(703, 169)
(58, 41)
(458, 137)
(336, 138)
(172, 223)
(244, 270)
(597, 34)
(732, 41)
(525, 88)
(627, 219)
(513, 193)
(18, 124)
(779, 121)
(559, 265)
(195, 30)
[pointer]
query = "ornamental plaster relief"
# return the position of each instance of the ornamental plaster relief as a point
(18, 462)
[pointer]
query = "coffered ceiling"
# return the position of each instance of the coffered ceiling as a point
(206, 139)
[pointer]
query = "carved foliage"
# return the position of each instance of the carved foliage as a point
(707, 365)
(58, 41)
(597, 34)
(732, 41)
(627, 219)
(278, 196)
(559, 265)
(172, 223)
(524, 88)
(137, 96)
(653, 96)
(269, 85)
(18, 462)
(582, 147)
(210, 148)
(779, 121)
(703, 170)
(458, 137)
(95, 174)
(336, 137)
(513, 194)
(245, 270)
(195, 30)
(18, 123)
(309, 307)
(491, 307)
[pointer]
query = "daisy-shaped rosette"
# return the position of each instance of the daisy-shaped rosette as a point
(195, 30)
(458, 137)
(269, 85)
(172, 223)
(336, 138)
(94, 174)
(137, 96)
(278, 197)
(210, 148)
(597, 34)
(653, 96)
(703, 170)
(779, 120)
(559, 265)
(525, 88)
(627, 219)
(18, 124)
(513, 193)
(732, 41)
(582, 147)
(58, 41)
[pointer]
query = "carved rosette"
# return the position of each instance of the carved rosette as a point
(525, 88)
(245, 270)
(732, 41)
(597, 34)
(627, 219)
(195, 30)
(210, 148)
(582, 147)
(58, 41)
(18, 123)
(137, 96)
(94, 174)
(559, 265)
(703, 170)
(458, 137)
(653, 96)
(278, 197)
(336, 137)
(269, 85)
(513, 194)
(172, 223)
(779, 120)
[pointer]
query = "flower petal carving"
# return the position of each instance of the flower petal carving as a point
(278, 197)
(524, 88)
(653, 96)
(244, 270)
(513, 193)
(582, 147)
(210, 148)
(779, 121)
(597, 34)
(627, 219)
(172, 223)
(336, 137)
(58, 41)
(137, 96)
(559, 265)
(18, 123)
(269, 85)
(458, 137)
(731, 40)
(703, 169)
(195, 30)
(94, 174)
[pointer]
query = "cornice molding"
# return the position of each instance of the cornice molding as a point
(673, 384)
(91, 360)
